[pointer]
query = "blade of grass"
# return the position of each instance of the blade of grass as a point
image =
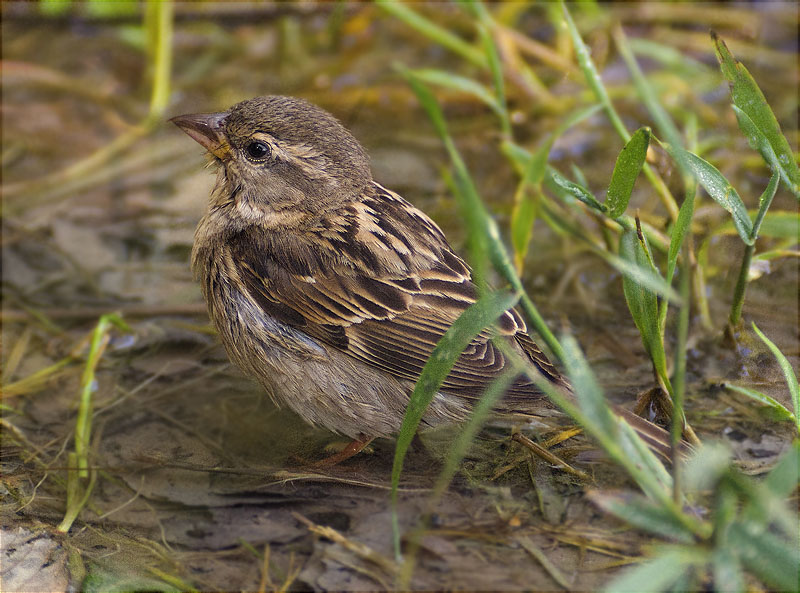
(679, 232)
(744, 270)
(461, 84)
(598, 420)
(780, 410)
(433, 31)
(783, 478)
(719, 189)
(467, 434)
(83, 422)
(764, 506)
(727, 571)
(575, 190)
(593, 413)
(483, 230)
(641, 456)
(772, 559)
(37, 380)
(759, 141)
(626, 170)
(662, 119)
(657, 574)
(750, 101)
(158, 23)
(706, 467)
(642, 513)
(777, 224)
(596, 85)
(788, 373)
(643, 303)
(529, 189)
(77, 496)
(592, 75)
(496, 68)
(679, 374)
(668, 56)
(477, 317)
(764, 202)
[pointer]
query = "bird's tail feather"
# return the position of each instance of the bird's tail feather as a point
(655, 437)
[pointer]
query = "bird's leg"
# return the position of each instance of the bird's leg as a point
(352, 448)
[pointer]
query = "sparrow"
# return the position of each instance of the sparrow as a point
(332, 290)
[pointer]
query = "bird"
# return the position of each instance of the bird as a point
(332, 290)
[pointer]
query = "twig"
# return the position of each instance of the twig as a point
(361, 550)
(547, 455)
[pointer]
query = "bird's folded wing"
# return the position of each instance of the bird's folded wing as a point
(389, 319)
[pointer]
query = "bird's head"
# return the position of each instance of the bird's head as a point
(280, 152)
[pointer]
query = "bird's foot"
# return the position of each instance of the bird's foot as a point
(349, 450)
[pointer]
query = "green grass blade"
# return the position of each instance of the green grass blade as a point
(575, 190)
(467, 434)
(461, 84)
(705, 468)
(783, 478)
(596, 85)
(643, 514)
(760, 142)
(788, 373)
(478, 316)
(670, 57)
(626, 170)
(662, 119)
(599, 418)
(781, 224)
(470, 203)
(749, 99)
(777, 224)
(592, 75)
(496, 68)
(641, 457)
(764, 203)
(770, 558)
(643, 275)
(158, 21)
(656, 574)
(621, 443)
(781, 411)
(54, 8)
(535, 170)
(764, 506)
(727, 571)
(483, 230)
(595, 416)
(682, 227)
(523, 218)
(642, 302)
(433, 31)
(720, 190)
(529, 188)
(83, 422)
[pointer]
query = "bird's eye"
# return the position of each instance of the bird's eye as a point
(257, 150)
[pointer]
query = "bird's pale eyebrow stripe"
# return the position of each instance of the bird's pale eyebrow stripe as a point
(287, 150)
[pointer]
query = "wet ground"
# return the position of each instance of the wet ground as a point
(201, 481)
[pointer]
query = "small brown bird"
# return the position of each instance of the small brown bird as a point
(332, 290)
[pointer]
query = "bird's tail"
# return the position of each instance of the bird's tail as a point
(655, 437)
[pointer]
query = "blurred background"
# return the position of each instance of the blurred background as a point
(197, 473)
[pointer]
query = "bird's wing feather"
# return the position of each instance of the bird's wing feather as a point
(378, 281)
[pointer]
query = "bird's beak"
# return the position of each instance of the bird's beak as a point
(207, 129)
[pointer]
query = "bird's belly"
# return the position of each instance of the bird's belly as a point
(322, 384)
